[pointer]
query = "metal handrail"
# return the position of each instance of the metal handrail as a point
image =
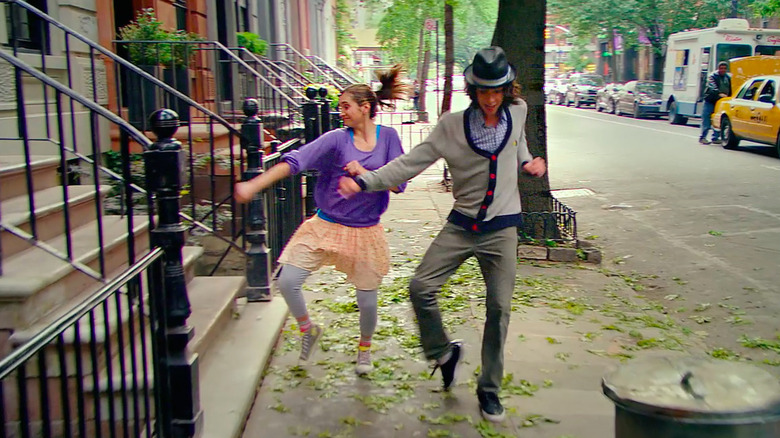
(302, 56)
(336, 70)
(137, 135)
(125, 63)
(219, 46)
(78, 97)
(264, 64)
(24, 353)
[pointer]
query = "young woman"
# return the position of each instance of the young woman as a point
(345, 232)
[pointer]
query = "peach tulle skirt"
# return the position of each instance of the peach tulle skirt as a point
(361, 253)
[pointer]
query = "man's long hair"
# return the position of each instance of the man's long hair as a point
(511, 94)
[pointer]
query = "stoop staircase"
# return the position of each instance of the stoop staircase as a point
(82, 350)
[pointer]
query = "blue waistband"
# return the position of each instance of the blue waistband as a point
(325, 217)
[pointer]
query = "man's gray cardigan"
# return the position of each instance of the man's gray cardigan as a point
(484, 184)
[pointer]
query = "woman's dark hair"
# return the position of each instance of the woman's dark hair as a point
(392, 88)
(511, 94)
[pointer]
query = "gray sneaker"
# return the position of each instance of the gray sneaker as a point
(716, 141)
(309, 342)
(363, 364)
(704, 141)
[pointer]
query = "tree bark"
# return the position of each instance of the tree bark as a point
(449, 56)
(520, 32)
(422, 113)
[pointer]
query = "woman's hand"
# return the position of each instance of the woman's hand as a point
(243, 192)
(535, 167)
(354, 168)
(348, 187)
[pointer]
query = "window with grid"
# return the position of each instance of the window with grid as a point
(25, 29)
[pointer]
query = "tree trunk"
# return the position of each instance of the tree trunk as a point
(422, 114)
(449, 56)
(520, 32)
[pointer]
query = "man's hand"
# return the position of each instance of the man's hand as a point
(723, 95)
(354, 168)
(243, 192)
(348, 187)
(535, 167)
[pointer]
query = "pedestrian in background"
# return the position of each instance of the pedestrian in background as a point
(485, 149)
(718, 87)
(344, 233)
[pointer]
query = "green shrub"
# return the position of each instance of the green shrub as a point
(252, 42)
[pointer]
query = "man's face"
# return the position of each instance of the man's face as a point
(722, 70)
(489, 100)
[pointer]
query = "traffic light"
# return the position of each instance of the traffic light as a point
(547, 33)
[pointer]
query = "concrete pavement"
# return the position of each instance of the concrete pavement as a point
(571, 323)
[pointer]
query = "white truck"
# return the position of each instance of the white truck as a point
(692, 55)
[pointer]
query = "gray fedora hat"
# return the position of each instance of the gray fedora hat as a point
(490, 69)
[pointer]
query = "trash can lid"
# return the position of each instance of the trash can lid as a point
(694, 387)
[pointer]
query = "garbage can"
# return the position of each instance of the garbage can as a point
(692, 397)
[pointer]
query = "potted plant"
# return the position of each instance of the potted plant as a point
(252, 42)
(139, 46)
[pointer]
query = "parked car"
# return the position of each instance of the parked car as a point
(751, 114)
(582, 89)
(555, 91)
(605, 97)
(640, 99)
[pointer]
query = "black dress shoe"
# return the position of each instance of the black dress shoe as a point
(490, 405)
(448, 368)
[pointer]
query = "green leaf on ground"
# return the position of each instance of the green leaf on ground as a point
(724, 354)
(761, 343)
(535, 420)
(715, 233)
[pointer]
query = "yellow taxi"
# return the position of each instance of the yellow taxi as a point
(750, 114)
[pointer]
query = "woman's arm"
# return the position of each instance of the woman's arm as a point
(244, 191)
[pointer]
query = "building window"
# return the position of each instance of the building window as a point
(244, 24)
(26, 29)
(181, 14)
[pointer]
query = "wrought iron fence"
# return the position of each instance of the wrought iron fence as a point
(68, 381)
(559, 224)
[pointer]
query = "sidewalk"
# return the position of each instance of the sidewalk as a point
(571, 323)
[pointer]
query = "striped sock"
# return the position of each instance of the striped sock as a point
(364, 345)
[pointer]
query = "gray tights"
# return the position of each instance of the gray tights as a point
(289, 280)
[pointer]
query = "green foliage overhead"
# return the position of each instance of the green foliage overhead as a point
(656, 18)
(401, 21)
(252, 42)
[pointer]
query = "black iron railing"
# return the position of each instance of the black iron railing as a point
(132, 92)
(342, 77)
(70, 148)
(559, 224)
(64, 382)
(287, 55)
(279, 79)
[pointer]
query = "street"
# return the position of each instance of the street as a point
(664, 205)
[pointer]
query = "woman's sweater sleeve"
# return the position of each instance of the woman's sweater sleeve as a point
(405, 167)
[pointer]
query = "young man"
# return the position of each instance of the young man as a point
(718, 86)
(485, 149)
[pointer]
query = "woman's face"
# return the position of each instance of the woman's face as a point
(352, 113)
(489, 100)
